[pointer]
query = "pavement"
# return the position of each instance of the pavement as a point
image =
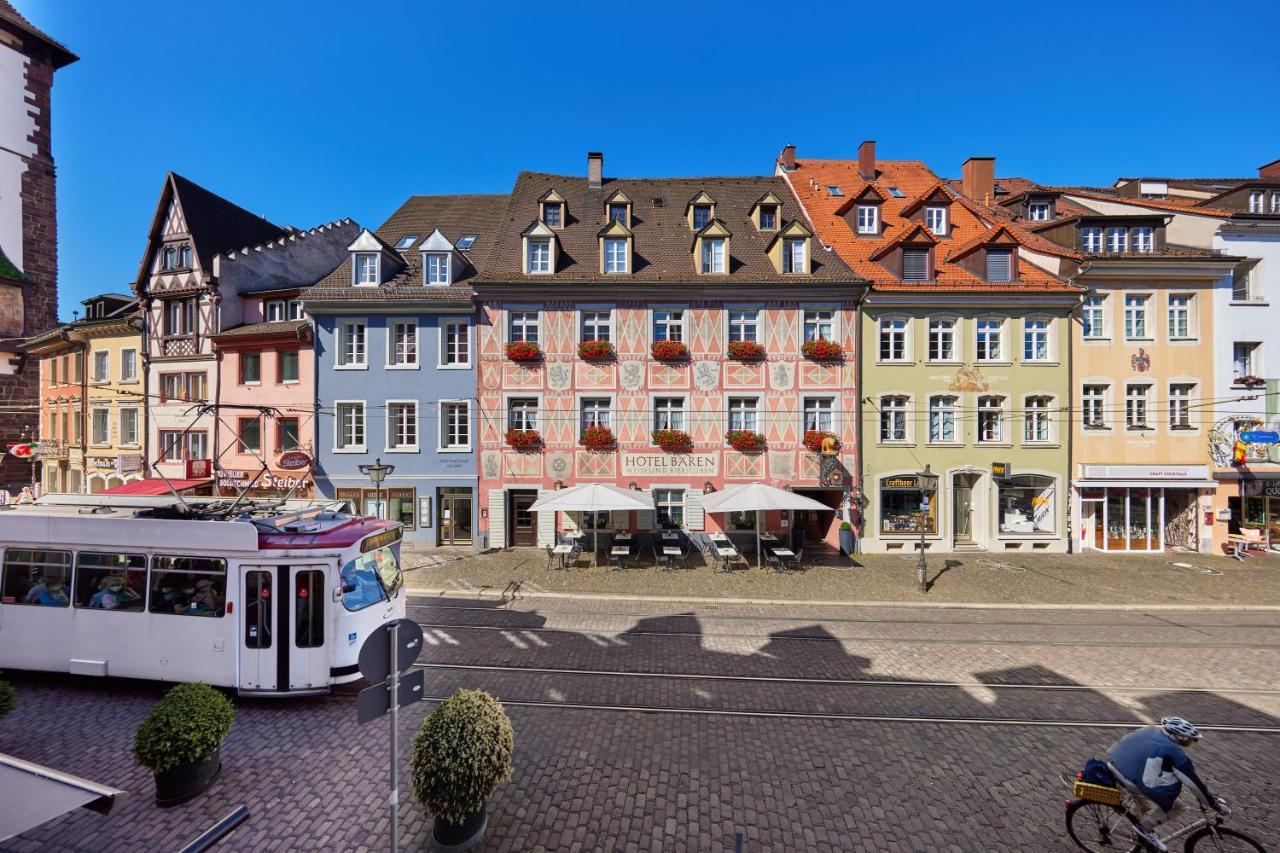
(665, 726)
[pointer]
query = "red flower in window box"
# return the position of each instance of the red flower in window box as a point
(598, 437)
(595, 351)
(745, 440)
(814, 438)
(524, 439)
(673, 440)
(669, 350)
(524, 351)
(746, 350)
(822, 350)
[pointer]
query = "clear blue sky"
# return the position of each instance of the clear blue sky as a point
(307, 112)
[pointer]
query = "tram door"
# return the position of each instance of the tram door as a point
(282, 628)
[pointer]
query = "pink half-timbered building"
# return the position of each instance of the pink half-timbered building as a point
(672, 336)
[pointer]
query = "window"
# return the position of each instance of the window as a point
(1275, 201)
(1093, 315)
(522, 327)
(999, 265)
(1244, 358)
(171, 442)
(101, 366)
(186, 387)
(189, 586)
(128, 365)
(274, 310)
(438, 272)
(618, 212)
(893, 339)
(1035, 339)
(1093, 407)
(455, 426)
(184, 257)
(942, 419)
(597, 411)
(902, 505)
(668, 324)
(250, 435)
(456, 343)
(701, 216)
(351, 351)
(287, 436)
(404, 344)
(308, 605)
(742, 413)
(1091, 238)
(942, 340)
(370, 578)
(169, 258)
(1038, 211)
(100, 426)
(250, 368)
(551, 213)
(1136, 400)
(111, 581)
(539, 256)
(615, 255)
(295, 310)
(465, 242)
(793, 256)
(1180, 405)
(990, 420)
(367, 268)
(287, 361)
(868, 219)
(1037, 419)
(406, 241)
(893, 418)
(36, 577)
(350, 426)
(128, 426)
(196, 446)
(743, 324)
(1135, 316)
(402, 426)
(768, 217)
(668, 413)
(990, 340)
(819, 324)
(596, 325)
(669, 504)
(1117, 239)
(180, 317)
(935, 218)
(1242, 284)
(522, 413)
(915, 264)
(1027, 504)
(1256, 201)
(819, 414)
(1179, 315)
(1143, 239)
(713, 255)
(835, 190)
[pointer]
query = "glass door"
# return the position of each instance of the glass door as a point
(308, 660)
(962, 509)
(258, 655)
(1139, 519)
(455, 519)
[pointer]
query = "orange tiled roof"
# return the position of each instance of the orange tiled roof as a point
(1178, 205)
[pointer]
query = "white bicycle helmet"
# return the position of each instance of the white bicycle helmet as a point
(1179, 729)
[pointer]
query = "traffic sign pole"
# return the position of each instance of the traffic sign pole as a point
(394, 688)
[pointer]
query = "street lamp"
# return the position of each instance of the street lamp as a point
(377, 472)
(928, 482)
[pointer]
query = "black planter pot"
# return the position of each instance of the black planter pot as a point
(846, 542)
(177, 785)
(450, 837)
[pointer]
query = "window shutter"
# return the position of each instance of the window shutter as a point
(915, 264)
(497, 518)
(999, 265)
(546, 525)
(693, 514)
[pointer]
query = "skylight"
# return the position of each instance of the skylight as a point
(465, 242)
(896, 193)
(406, 241)
(835, 191)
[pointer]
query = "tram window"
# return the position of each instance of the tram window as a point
(257, 610)
(370, 578)
(189, 586)
(309, 606)
(35, 577)
(111, 581)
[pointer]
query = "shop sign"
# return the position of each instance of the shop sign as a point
(102, 462)
(1001, 470)
(21, 449)
(128, 463)
(1260, 436)
(233, 479)
(1145, 472)
(901, 483)
(198, 469)
(294, 460)
(243, 480)
(670, 464)
(1256, 488)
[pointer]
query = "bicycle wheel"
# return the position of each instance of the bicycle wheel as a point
(1224, 840)
(1099, 828)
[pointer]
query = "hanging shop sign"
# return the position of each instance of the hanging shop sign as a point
(1001, 470)
(199, 469)
(21, 449)
(294, 460)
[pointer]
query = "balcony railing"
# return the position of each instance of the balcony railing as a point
(179, 345)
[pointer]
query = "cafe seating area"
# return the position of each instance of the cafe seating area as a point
(680, 550)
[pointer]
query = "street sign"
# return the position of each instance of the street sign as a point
(375, 654)
(373, 702)
(1260, 436)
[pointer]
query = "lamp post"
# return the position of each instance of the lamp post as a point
(377, 472)
(928, 482)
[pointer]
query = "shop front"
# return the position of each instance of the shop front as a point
(270, 484)
(433, 513)
(1144, 509)
(1249, 504)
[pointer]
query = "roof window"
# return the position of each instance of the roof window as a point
(466, 241)
(835, 191)
(406, 241)
(896, 193)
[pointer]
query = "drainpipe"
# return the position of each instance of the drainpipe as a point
(1072, 506)
(860, 498)
(83, 349)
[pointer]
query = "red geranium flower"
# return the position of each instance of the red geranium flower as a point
(746, 350)
(524, 351)
(813, 439)
(745, 440)
(524, 439)
(595, 350)
(673, 440)
(822, 350)
(669, 350)
(598, 437)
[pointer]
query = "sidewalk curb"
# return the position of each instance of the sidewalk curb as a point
(786, 602)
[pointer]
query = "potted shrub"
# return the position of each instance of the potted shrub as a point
(595, 351)
(746, 350)
(814, 438)
(180, 741)
(822, 350)
(846, 538)
(745, 440)
(7, 700)
(669, 350)
(460, 756)
(597, 437)
(524, 439)
(672, 440)
(524, 352)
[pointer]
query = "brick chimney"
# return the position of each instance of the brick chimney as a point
(595, 169)
(979, 178)
(789, 157)
(1270, 171)
(867, 160)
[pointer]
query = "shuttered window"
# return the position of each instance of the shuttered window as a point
(915, 264)
(999, 265)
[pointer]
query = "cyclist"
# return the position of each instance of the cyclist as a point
(1152, 764)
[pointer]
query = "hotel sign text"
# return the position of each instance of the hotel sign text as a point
(670, 464)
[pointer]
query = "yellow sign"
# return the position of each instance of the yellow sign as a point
(1000, 470)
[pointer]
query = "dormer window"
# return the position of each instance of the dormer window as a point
(552, 212)
(935, 218)
(1256, 198)
(366, 268)
(793, 256)
(1039, 211)
(294, 309)
(768, 217)
(1143, 239)
(438, 269)
(539, 257)
(1091, 238)
(999, 265)
(184, 257)
(915, 264)
(1117, 239)
(701, 216)
(465, 242)
(169, 258)
(274, 310)
(615, 255)
(618, 212)
(868, 221)
(713, 254)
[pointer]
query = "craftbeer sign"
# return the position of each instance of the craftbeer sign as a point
(294, 460)
(902, 483)
(1001, 470)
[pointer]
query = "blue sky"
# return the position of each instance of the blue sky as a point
(308, 112)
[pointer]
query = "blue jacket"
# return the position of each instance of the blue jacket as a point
(1153, 763)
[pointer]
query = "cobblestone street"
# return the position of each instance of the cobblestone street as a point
(660, 727)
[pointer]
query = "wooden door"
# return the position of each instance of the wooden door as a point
(523, 523)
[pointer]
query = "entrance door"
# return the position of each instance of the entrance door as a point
(283, 628)
(455, 519)
(523, 530)
(962, 509)
(258, 653)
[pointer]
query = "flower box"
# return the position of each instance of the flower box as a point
(673, 440)
(822, 350)
(745, 440)
(746, 350)
(1250, 381)
(598, 437)
(524, 352)
(595, 351)
(669, 350)
(814, 438)
(524, 439)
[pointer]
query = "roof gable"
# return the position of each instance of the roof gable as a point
(999, 237)
(537, 228)
(615, 228)
(700, 198)
(936, 194)
(436, 242)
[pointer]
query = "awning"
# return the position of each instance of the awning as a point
(154, 486)
(34, 794)
(1146, 484)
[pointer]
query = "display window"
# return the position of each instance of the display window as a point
(900, 506)
(1028, 504)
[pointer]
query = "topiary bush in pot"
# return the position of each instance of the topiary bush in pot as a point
(7, 700)
(180, 741)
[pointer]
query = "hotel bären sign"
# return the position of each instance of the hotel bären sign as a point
(670, 464)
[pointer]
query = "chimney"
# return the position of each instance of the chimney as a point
(979, 178)
(867, 160)
(595, 169)
(789, 158)
(1270, 171)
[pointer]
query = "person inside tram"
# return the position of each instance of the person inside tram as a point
(49, 591)
(113, 592)
(204, 602)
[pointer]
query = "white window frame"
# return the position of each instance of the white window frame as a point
(1001, 357)
(708, 209)
(1180, 419)
(1088, 307)
(615, 256)
(1248, 277)
(894, 408)
(536, 411)
(829, 410)
(339, 362)
(1002, 419)
(660, 502)
(1148, 406)
(1113, 245)
(793, 248)
(105, 374)
(1035, 208)
(682, 323)
(1092, 239)
(437, 269)
(882, 331)
(1091, 400)
(393, 362)
(137, 426)
(105, 412)
(1143, 239)
(443, 355)
(509, 323)
(746, 409)
(363, 410)
(129, 364)
(683, 411)
(1032, 335)
(596, 324)
(1188, 312)
(240, 446)
(1035, 415)
(1132, 313)
(713, 259)
(533, 253)
(1257, 201)
(755, 324)
(558, 206)
(393, 427)
(271, 306)
(364, 274)
(935, 219)
(1253, 367)
(442, 407)
(609, 411)
(868, 219)
(299, 314)
(946, 407)
(943, 327)
(818, 322)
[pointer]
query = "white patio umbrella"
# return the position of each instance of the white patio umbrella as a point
(592, 497)
(755, 497)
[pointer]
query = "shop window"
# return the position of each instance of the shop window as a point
(401, 509)
(1028, 504)
(900, 507)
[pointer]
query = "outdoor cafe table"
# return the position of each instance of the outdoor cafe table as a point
(562, 551)
(622, 537)
(726, 554)
(768, 537)
(618, 552)
(785, 553)
(670, 536)
(717, 537)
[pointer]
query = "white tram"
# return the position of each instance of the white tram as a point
(266, 599)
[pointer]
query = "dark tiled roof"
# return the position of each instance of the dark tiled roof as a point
(280, 327)
(217, 225)
(663, 241)
(61, 55)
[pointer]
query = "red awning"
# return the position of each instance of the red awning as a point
(154, 486)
